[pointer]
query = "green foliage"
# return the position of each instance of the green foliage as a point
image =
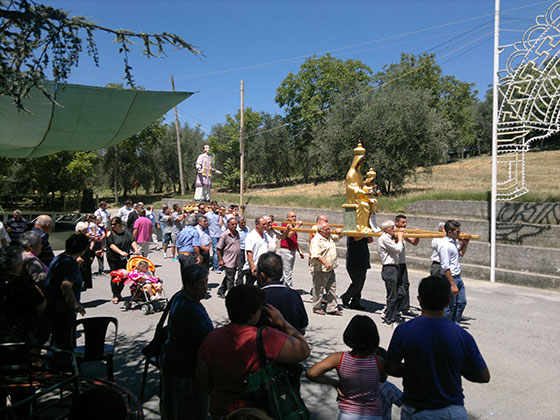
(306, 95)
(398, 128)
(36, 39)
(455, 99)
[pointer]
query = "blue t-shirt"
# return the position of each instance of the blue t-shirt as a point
(188, 325)
(436, 353)
(62, 268)
(288, 302)
(214, 224)
(188, 238)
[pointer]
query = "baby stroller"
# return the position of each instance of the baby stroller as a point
(146, 291)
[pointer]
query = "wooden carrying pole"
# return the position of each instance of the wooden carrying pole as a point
(336, 225)
(409, 234)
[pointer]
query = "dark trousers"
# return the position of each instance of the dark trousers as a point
(402, 289)
(117, 264)
(390, 275)
(435, 269)
(85, 269)
(185, 259)
(240, 272)
(249, 278)
(228, 281)
(205, 260)
(182, 398)
(353, 294)
(63, 333)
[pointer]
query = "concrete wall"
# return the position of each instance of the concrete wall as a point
(533, 213)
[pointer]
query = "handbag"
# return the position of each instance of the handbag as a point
(153, 348)
(271, 389)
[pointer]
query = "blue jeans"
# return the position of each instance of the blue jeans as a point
(454, 311)
(215, 264)
(455, 412)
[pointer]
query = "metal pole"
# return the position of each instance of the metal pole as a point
(179, 156)
(242, 149)
(495, 142)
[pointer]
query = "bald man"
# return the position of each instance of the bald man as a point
(43, 226)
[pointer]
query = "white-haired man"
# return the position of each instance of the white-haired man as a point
(389, 247)
(323, 256)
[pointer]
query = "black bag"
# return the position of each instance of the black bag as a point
(271, 389)
(153, 348)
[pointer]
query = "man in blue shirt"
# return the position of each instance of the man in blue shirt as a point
(436, 354)
(215, 222)
(188, 242)
(449, 256)
(243, 232)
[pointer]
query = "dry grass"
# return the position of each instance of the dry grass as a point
(470, 176)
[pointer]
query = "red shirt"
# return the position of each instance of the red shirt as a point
(290, 242)
(231, 354)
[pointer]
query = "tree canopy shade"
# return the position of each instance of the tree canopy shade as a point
(84, 118)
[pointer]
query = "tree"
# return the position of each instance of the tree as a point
(455, 99)
(35, 37)
(306, 95)
(224, 143)
(398, 128)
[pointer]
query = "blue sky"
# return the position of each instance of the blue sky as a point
(262, 41)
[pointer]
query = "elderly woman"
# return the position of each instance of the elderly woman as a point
(229, 353)
(85, 260)
(181, 396)
(62, 289)
(33, 267)
(119, 244)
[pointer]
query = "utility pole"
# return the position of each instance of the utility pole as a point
(180, 158)
(495, 142)
(242, 149)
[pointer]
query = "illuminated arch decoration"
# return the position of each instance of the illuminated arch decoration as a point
(529, 100)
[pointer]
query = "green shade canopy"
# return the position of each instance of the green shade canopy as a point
(86, 118)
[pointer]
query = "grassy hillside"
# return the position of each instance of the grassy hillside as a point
(468, 179)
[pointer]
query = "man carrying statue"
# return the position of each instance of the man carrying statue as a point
(204, 175)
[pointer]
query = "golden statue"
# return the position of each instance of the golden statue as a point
(360, 195)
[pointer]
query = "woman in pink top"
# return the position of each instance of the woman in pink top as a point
(359, 372)
(228, 354)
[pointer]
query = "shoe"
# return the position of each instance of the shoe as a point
(219, 270)
(319, 312)
(335, 313)
(409, 313)
(221, 296)
(175, 259)
(466, 318)
(115, 300)
(164, 256)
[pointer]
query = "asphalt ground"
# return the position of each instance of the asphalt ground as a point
(516, 328)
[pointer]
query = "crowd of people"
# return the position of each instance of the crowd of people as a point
(203, 368)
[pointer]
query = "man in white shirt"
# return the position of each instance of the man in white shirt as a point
(404, 308)
(273, 236)
(389, 251)
(256, 244)
(104, 214)
(124, 211)
(449, 256)
(434, 258)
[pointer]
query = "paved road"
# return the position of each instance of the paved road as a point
(516, 328)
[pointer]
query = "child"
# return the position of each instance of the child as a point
(151, 284)
(359, 372)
